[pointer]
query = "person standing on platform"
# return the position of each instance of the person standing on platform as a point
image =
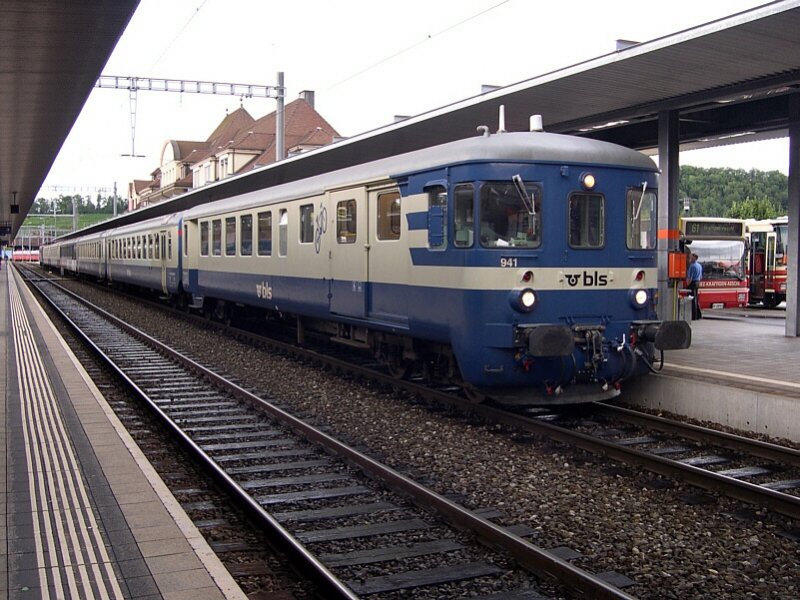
(694, 275)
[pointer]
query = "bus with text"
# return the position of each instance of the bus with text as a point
(721, 246)
(768, 260)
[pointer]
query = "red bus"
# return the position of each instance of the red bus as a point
(721, 247)
(768, 260)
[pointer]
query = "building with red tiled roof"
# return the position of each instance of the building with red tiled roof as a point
(237, 144)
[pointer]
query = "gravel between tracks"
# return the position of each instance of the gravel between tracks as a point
(619, 519)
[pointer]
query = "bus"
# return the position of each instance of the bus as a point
(721, 246)
(768, 260)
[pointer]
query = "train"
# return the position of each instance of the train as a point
(520, 266)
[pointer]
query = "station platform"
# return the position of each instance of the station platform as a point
(86, 515)
(741, 371)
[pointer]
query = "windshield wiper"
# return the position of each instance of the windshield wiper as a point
(523, 194)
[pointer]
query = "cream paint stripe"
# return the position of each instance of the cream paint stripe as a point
(55, 428)
(42, 450)
(32, 463)
(47, 406)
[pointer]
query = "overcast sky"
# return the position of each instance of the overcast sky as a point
(366, 60)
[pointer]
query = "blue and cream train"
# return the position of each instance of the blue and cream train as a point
(521, 265)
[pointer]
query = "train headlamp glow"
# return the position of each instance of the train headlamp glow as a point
(587, 181)
(522, 300)
(639, 298)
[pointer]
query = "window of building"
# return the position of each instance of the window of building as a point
(283, 231)
(216, 237)
(586, 220)
(306, 223)
(246, 234)
(204, 238)
(389, 216)
(346, 222)
(265, 233)
(641, 218)
(230, 236)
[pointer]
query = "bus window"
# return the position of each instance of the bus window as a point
(641, 218)
(463, 219)
(346, 222)
(389, 216)
(437, 218)
(586, 221)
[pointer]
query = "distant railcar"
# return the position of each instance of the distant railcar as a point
(519, 265)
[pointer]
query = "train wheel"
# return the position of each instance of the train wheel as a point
(399, 368)
(473, 395)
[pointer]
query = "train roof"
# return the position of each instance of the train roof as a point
(503, 147)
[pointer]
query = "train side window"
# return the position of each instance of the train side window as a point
(437, 217)
(388, 216)
(230, 236)
(204, 238)
(283, 231)
(265, 233)
(169, 246)
(346, 222)
(157, 246)
(306, 223)
(464, 217)
(641, 218)
(216, 237)
(586, 220)
(186, 239)
(246, 234)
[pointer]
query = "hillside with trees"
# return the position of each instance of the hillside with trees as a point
(736, 193)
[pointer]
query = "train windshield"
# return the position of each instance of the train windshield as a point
(506, 220)
(721, 259)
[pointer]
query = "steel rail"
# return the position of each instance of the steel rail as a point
(530, 556)
(723, 439)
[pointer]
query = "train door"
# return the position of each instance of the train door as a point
(771, 262)
(349, 249)
(162, 247)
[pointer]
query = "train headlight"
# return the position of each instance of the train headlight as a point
(522, 300)
(587, 181)
(639, 298)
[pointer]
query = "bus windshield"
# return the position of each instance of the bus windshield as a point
(721, 259)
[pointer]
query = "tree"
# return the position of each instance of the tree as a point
(712, 192)
(750, 208)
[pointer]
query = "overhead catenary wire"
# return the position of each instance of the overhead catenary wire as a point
(415, 44)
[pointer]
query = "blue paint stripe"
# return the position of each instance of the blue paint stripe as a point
(417, 220)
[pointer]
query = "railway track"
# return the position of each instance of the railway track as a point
(356, 526)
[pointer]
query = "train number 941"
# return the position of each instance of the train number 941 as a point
(506, 261)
